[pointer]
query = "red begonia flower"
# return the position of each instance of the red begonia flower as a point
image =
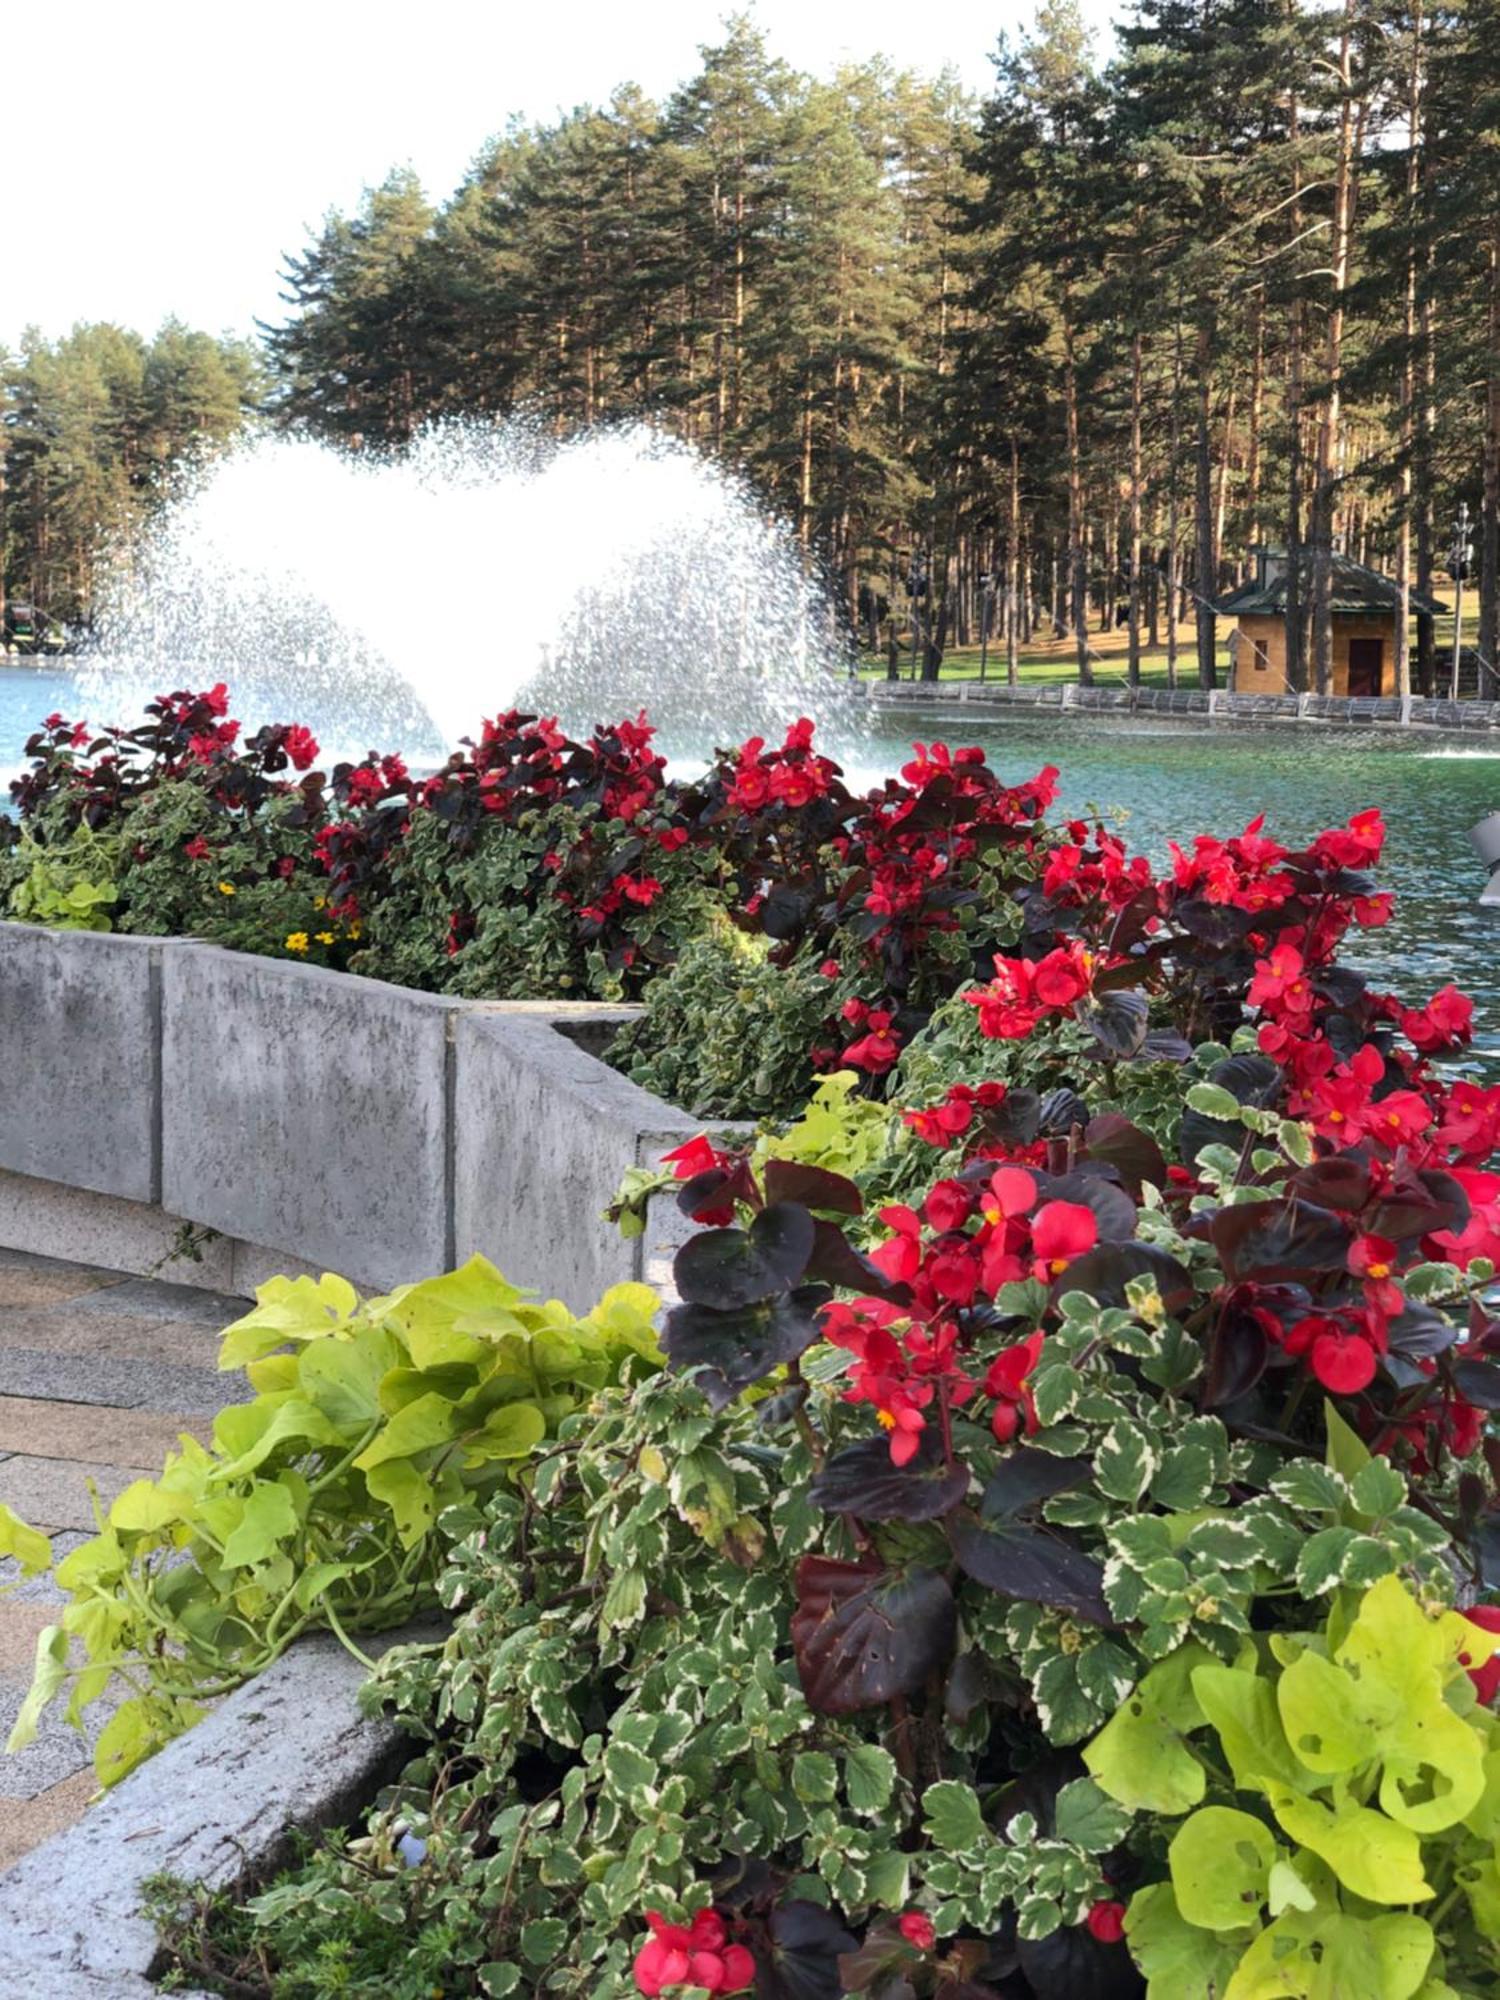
(1060, 1232)
(1486, 1678)
(1342, 1362)
(1106, 1922)
(916, 1928)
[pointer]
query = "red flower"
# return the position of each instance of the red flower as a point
(1012, 1191)
(948, 1205)
(1106, 1922)
(1061, 1231)
(197, 849)
(1446, 1021)
(880, 1049)
(1373, 1258)
(900, 1256)
(1006, 1380)
(691, 1955)
(916, 1926)
(1343, 1362)
(1486, 1678)
(301, 746)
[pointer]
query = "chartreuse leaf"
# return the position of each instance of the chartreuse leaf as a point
(30, 1548)
(48, 1674)
(1221, 1862)
(268, 1515)
(1242, 1708)
(287, 1309)
(1369, 1853)
(1141, 1757)
(1177, 1958)
(1323, 1955)
(429, 1419)
(513, 1431)
(1348, 1454)
(1327, 1720)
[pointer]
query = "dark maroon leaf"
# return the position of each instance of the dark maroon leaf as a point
(733, 1349)
(1418, 1332)
(864, 1633)
(1117, 1021)
(716, 1188)
(1025, 1476)
(1267, 1240)
(1112, 1208)
(1165, 1045)
(1478, 1382)
(1133, 1153)
(1060, 1110)
(784, 912)
(1240, 1346)
(728, 1268)
(1341, 1183)
(1071, 1964)
(862, 1480)
(801, 1958)
(835, 1261)
(1214, 923)
(813, 1187)
(1484, 1544)
(1016, 1117)
(1023, 1562)
(1107, 1269)
(968, 1686)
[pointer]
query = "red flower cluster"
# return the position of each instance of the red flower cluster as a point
(1024, 991)
(792, 776)
(878, 1049)
(695, 1954)
(945, 1122)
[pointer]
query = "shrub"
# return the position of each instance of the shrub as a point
(316, 1503)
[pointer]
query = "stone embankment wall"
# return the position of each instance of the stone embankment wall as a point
(1212, 706)
(310, 1120)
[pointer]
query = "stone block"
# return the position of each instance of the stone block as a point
(543, 1134)
(289, 1750)
(307, 1111)
(78, 1024)
(99, 1229)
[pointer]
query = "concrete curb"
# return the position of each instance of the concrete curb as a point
(310, 1119)
(287, 1752)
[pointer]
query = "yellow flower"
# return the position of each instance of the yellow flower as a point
(354, 930)
(226, 888)
(296, 941)
(325, 937)
(320, 902)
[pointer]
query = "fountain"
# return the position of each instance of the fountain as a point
(395, 599)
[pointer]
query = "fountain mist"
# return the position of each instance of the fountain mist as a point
(398, 599)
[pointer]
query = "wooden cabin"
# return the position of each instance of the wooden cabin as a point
(1365, 607)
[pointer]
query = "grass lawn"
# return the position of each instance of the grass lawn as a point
(1057, 660)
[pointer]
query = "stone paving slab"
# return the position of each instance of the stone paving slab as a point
(42, 1286)
(122, 1336)
(155, 1299)
(127, 1383)
(52, 1493)
(103, 1434)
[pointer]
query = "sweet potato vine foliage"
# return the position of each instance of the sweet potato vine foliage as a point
(1087, 1395)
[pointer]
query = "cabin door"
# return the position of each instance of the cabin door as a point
(1366, 665)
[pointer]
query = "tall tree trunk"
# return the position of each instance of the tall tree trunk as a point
(1077, 561)
(1489, 513)
(1173, 461)
(1253, 454)
(1409, 357)
(1204, 506)
(1013, 570)
(1350, 132)
(1133, 614)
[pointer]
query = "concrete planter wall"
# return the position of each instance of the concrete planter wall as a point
(312, 1119)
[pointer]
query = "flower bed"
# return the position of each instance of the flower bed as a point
(1033, 1569)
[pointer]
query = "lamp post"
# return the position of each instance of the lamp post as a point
(1460, 556)
(986, 606)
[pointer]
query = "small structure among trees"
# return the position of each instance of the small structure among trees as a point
(1364, 608)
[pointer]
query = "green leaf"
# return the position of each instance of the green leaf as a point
(1348, 1453)
(287, 1309)
(1186, 1477)
(1242, 1707)
(1369, 1853)
(127, 1739)
(409, 1493)
(144, 1508)
(428, 1420)
(1141, 1756)
(815, 1777)
(30, 1548)
(1221, 1864)
(543, 1939)
(49, 1673)
(512, 1431)
(1325, 1955)
(1180, 1961)
(268, 1516)
(954, 1821)
(1320, 1564)
(1124, 1462)
(1089, 1818)
(1213, 1101)
(869, 1778)
(1377, 1489)
(1310, 1488)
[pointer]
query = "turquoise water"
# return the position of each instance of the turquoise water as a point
(1169, 782)
(1172, 781)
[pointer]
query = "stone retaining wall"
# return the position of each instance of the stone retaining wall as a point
(309, 1119)
(1195, 704)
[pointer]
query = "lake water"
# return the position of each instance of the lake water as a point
(1169, 782)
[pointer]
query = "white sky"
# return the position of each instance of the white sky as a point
(162, 157)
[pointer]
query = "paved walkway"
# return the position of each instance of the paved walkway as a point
(98, 1375)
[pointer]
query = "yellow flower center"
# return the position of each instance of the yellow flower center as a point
(886, 1419)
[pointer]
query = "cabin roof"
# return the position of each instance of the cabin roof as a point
(1356, 589)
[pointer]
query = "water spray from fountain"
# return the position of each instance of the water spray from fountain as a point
(397, 599)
